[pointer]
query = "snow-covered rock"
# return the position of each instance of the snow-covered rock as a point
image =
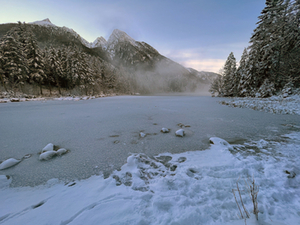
(4, 100)
(48, 147)
(220, 141)
(274, 104)
(61, 151)
(5, 181)
(47, 155)
(142, 134)
(14, 99)
(164, 130)
(180, 133)
(9, 163)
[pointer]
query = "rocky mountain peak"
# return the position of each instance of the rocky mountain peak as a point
(120, 36)
(45, 22)
(99, 42)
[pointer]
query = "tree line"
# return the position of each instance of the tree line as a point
(23, 62)
(271, 63)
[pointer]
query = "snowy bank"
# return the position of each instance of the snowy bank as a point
(188, 188)
(274, 104)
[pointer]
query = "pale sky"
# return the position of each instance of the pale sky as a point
(195, 33)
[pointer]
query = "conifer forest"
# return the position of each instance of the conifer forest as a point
(271, 62)
(29, 67)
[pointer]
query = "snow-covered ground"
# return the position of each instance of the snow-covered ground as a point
(191, 187)
(274, 104)
(187, 188)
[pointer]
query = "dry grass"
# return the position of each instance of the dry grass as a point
(253, 190)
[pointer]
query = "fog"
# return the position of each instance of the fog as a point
(165, 76)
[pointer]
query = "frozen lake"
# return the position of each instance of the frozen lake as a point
(101, 133)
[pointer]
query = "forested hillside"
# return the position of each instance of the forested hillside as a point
(271, 63)
(31, 67)
(43, 59)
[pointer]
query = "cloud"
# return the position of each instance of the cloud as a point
(210, 65)
(196, 58)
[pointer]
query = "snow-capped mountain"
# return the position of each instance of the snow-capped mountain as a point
(99, 42)
(45, 22)
(206, 77)
(119, 36)
(139, 61)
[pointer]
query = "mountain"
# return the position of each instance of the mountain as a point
(138, 63)
(206, 77)
(45, 22)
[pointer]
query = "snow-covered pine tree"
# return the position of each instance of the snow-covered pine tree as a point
(55, 67)
(229, 78)
(217, 86)
(4, 79)
(13, 67)
(35, 61)
(95, 65)
(66, 78)
(242, 75)
(265, 53)
(49, 79)
(291, 45)
(86, 80)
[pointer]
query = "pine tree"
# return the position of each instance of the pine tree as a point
(265, 52)
(3, 78)
(85, 74)
(53, 68)
(35, 62)
(242, 74)
(229, 76)
(292, 44)
(13, 66)
(217, 86)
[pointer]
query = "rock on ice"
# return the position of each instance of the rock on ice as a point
(164, 130)
(180, 133)
(142, 134)
(48, 147)
(9, 163)
(220, 141)
(61, 151)
(47, 155)
(5, 181)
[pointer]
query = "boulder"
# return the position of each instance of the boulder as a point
(48, 147)
(142, 134)
(165, 130)
(61, 151)
(47, 155)
(9, 163)
(180, 133)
